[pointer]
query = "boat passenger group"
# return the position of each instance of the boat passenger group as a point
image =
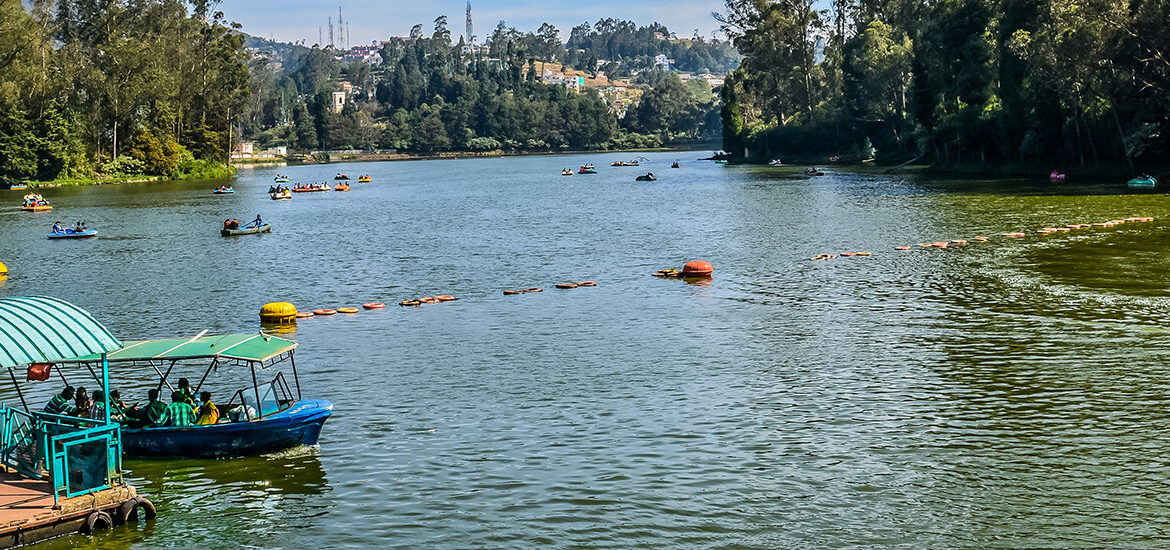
(183, 410)
(235, 224)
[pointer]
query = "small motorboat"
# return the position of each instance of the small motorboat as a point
(775, 162)
(648, 177)
(364, 179)
(813, 172)
(224, 191)
(71, 233)
(18, 187)
(587, 169)
(280, 178)
(674, 164)
(341, 187)
(247, 230)
(566, 172)
(282, 195)
(341, 177)
(1057, 176)
(1146, 181)
(311, 188)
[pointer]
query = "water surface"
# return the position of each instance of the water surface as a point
(1004, 394)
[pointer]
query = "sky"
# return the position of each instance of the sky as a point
(294, 20)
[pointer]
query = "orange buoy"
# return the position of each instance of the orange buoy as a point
(566, 285)
(901, 248)
(587, 283)
(445, 298)
(347, 310)
(414, 303)
(697, 268)
(428, 300)
(374, 305)
(534, 289)
(939, 244)
(324, 312)
(513, 292)
(304, 314)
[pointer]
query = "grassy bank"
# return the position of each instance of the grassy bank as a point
(198, 170)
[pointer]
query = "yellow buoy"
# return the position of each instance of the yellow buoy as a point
(3, 269)
(278, 312)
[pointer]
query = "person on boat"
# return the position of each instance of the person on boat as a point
(185, 389)
(257, 222)
(81, 402)
(59, 404)
(208, 413)
(153, 414)
(179, 412)
(235, 224)
(57, 228)
(97, 410)
(119, 412)
(271, 189)
(227, 224)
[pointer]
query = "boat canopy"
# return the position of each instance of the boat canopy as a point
(240, 348)
(40, 329)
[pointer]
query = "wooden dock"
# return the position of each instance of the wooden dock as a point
(27, 514)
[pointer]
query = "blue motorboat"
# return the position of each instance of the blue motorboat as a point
(296, 425)
(263, 417)
(224, 191)
(71, 233)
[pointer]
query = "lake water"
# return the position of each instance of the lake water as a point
(1004, 394)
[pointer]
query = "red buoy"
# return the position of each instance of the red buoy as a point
(697, 268)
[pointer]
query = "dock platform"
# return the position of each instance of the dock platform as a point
(27, 514)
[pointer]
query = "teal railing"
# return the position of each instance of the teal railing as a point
(78, 455)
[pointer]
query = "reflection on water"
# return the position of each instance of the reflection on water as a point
(1007, 393)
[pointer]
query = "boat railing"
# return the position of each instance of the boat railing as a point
(79, 455)
(275, 396)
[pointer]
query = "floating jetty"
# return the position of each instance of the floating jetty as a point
(58, 474)
(28, 512)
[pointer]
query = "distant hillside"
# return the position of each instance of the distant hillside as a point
(288, 55)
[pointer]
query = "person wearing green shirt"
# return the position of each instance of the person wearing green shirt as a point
(59, 404)
(179, 412)
(152, 415)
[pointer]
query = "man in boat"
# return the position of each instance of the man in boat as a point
(257, 222)
(208, 412)
(59, 404)
(97, 410)
(57, 228)
(152, 415)
(179, 413)
(234, 224)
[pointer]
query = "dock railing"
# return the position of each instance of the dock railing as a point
(77, 455)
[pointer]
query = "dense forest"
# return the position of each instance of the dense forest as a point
(624, 48)
(99, 87)
(965, 81)
(430, 95)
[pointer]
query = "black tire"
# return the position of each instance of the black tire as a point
(128, 511)
(97, 521)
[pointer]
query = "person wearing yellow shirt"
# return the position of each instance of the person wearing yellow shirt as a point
(208, 413)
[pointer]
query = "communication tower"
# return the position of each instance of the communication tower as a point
(470, 36)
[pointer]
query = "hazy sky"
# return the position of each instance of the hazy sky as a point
(292, 20)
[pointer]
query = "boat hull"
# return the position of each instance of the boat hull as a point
(1142, 183)
(36, 208)
(74, 234)
(298, 425)
(266, 228)
(227, 192)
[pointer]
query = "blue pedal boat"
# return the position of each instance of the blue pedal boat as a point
(74, 234)
(262, 417)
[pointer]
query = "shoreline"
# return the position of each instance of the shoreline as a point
(220, 172)
(332, 158)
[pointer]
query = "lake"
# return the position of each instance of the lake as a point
(1011, 393)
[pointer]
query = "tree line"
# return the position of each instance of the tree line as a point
(104, 87)
(430, 95)
(1067, 82)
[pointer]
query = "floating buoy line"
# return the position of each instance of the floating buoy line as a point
(1050, 230)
